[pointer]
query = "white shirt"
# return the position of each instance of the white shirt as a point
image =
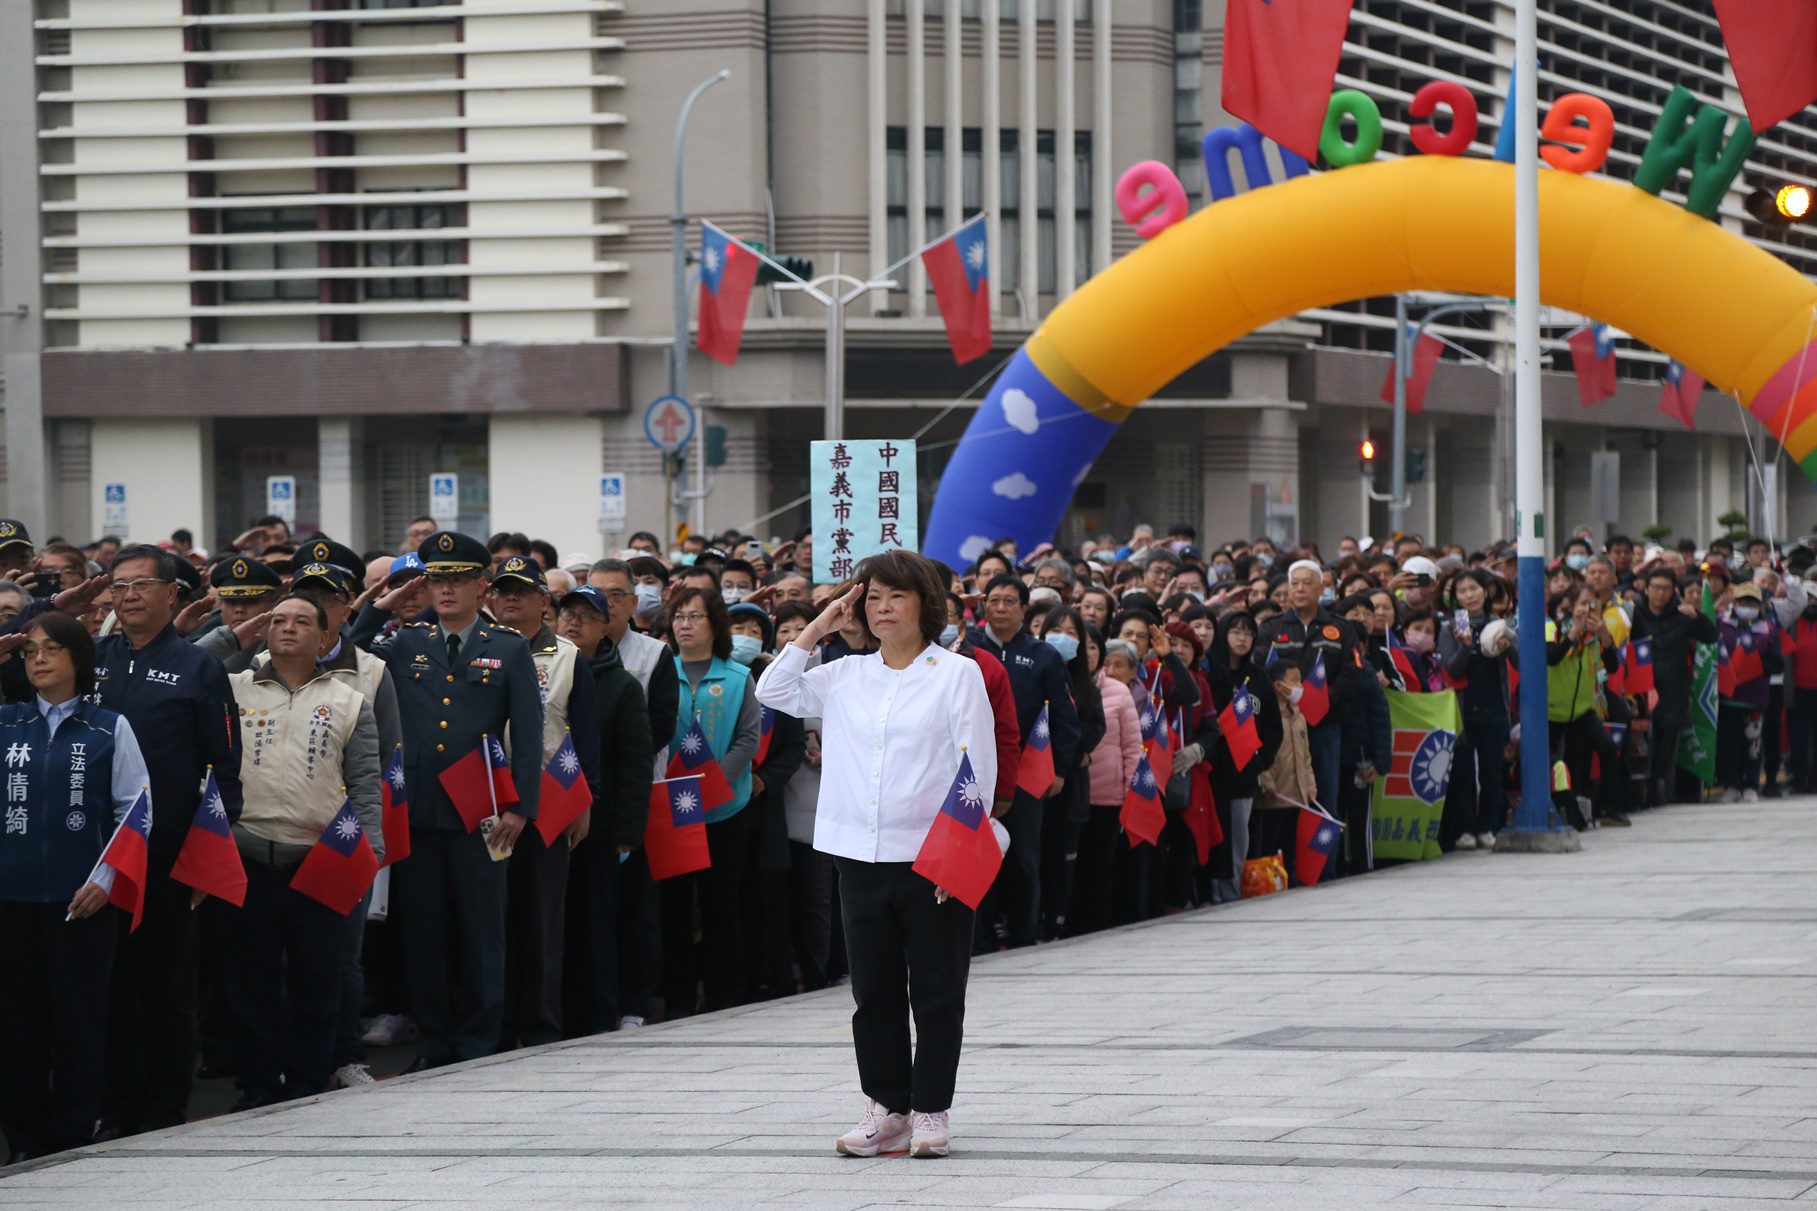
(890, 743)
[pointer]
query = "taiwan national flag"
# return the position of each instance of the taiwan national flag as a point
(127, 854)
(1143, 816)
(394, 799)
(1035, 771)
(1315, 693)
(728, 270)
(1773, 47)
(960, 852)
(1317, 841)
(1737, 664)
(694, 756)
(1157, 739)
(1679, 394)
(209, 860)
(1202, 813)
(1637, 667)
(1425, 363)
(766, 732)
(341, 866)
(1593, 357)
(958, 268)
(675, 835)
(479, 784)
(565, 794)
(1237, 722)
(1280, 57)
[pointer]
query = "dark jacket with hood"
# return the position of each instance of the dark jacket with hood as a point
(1226, 779)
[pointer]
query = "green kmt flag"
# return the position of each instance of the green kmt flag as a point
(1410, 799)
(1697, 746)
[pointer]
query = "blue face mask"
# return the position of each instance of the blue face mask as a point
(649, 598)
(1265, 559)
(948, 635)
(1066, 645)
(1577, 561)
(746, 648)
(1327, 597)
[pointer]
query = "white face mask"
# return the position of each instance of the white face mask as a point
(1294, 692)
(734, 596)
(1747, 613)
(649, 599)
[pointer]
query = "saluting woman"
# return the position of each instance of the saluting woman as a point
(895, 724)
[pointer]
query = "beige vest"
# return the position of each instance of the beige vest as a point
(290, 758)
(365, 677)
(555, 681)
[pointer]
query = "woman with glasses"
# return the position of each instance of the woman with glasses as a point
(717, 693)
(72, 770)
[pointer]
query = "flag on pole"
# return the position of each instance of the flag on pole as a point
(209, 860)
(728, 271)
(1035, 770)
(1637, 667)
(766, 732)
(1679, 394)
(1315, 693)
(960, 852)
(1279, 62)
(1425, 362)
(1773, 47)
(675, 835)
(341, 866)
(565, 794)
(127, 853)
(394, 813)
(1316, 842)
(1237, 722)
(1593, 357)
(1202, 813)
(480, 783)
(1143, 816)
(958, 267)
(694, 756)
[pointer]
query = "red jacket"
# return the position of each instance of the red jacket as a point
(1003, 706)
(1801, 646)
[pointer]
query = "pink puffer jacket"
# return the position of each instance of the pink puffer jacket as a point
(1113, 762)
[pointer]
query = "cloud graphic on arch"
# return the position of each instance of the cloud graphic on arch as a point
(1020, 411)
(971, 548)
(1015, 486)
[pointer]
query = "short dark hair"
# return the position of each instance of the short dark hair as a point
(1663, 573)
(614, 565)
(681, 572)
(182, 536)
(545, 550)
(786, 610)
(424, 517)
(911, 573)
(321, 614)
(1006, 581)
(717, 616)
(514, 539)
(163, 560)
(59, 627)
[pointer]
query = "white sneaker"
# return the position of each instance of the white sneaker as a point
(878, 1131)
(387, 1030)
(929, 1135)
(354, 1076)
(630, 1022)
(1464, 841)
(1730, 796)
(1750, 795)
(1485, 840)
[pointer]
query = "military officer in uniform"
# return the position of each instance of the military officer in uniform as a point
(246, 590)
(16, 549)
(538, 878)
(458, 679)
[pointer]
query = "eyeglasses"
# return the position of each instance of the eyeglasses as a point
(43, 649)
(143, 585)
(617, 595)
(689, 618)
(580, 614)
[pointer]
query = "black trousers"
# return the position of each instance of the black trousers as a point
(536, 907)
(1577, 741)
(1802, 723)
(1670, 719)
(718, 962)
(909, 955)
(639, 937)
(1738, 747)
(53, 1018)
(812, 882)
(590, 1003)
(1017, 894)
(281, 975)
(1094, 870)
(447, 867)
(151, 1011)
(348, 1046)
(1772, 733)
(1060, 852)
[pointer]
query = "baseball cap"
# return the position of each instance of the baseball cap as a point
(404, 567)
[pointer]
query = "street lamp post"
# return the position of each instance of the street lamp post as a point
(678, 233)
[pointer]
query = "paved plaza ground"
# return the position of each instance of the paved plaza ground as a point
(1630, 1027)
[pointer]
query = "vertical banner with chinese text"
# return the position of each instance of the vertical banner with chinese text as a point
(864, 503)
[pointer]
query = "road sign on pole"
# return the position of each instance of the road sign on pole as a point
(612, 503)
(281, 497)
(669, 423)
(445, 497)
(113, 510)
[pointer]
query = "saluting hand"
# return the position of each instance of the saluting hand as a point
(252, 631)
(392, 600)
(8, 643)
(838, 613)
(80, 598)
(190, 616)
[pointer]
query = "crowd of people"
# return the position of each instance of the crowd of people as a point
(296, 687)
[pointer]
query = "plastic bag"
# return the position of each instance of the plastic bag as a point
(1264, 876)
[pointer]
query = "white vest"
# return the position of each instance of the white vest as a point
(641, 654)
(555, 681)
(290, 757)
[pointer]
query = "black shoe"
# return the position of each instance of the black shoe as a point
(1773, 791)
(19, 1157)
(1614, 820)
(109, 1131)
(422, 1063)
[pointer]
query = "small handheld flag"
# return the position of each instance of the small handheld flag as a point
(766, 732)
(341, 866)
(1035, 770)
(1202, 813)
(693, 756)
(1315, 693)
(394, 797)
(127, 853)
(1237, 723)
(1143, 816)
(565, 794)
(209, 860)
(479, 784)
(675, 835)
(1317, 841)
(1637, 667)
(960, 852)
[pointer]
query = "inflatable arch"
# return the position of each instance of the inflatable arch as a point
(1735, 314)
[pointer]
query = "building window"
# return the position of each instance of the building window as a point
(413, 253)
(268, 258)
(1006, 262)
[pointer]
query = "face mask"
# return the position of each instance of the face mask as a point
(1294, 692)
(1327, 597)
(649, 598)
(1747, 613)
(1265, 559)
(1195, 594)
(1066, 645)
(1419, 641)
(746, 648)
(734, 596)
(1221, 571)
(1104, 557)
(949, 635)
(1577, 561)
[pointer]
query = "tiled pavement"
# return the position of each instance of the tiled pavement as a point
(1633, 1026)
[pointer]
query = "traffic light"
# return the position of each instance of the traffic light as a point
(769, 275)
(716, 445)
(1416, 465)
(1366, 459)
(1781, 203)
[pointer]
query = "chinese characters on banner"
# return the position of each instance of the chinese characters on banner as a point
(865, 502)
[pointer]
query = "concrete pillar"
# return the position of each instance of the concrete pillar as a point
(544, 477)
(167, 467)
(341, 472)
(1251, 458)
(21, 297)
